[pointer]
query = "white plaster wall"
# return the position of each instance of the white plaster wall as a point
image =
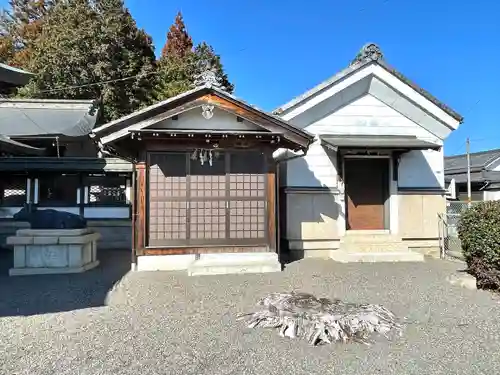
(194, 120)
(491, 195)
(368, 116)
(421, 169)
(316, 169)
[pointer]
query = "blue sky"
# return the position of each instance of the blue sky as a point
(275, 50)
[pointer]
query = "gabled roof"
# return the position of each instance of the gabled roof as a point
(370, 54)
(37, 117)
(478, 161)
(196, 97)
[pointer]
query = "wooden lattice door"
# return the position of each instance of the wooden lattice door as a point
(168, 199)
(207, 189)
(247, 198)
(191, 204)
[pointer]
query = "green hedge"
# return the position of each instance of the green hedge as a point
(479, 232)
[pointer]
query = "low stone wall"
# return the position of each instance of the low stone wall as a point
(53, 251)
(115, 234)
(9, 228)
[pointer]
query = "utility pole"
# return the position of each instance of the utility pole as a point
(469, 200)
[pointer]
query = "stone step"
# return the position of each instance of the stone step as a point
(362, 237)
(374, 247)
(396, 256)
(231, 263)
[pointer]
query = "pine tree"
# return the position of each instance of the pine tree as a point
(84, 42)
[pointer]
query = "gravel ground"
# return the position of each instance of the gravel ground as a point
(168, 323)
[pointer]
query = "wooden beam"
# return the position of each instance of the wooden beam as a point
(257, 117)
(271, 202)
(133, 200)
(140, 227)
(202, 250)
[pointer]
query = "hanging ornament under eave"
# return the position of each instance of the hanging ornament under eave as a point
(203, 155)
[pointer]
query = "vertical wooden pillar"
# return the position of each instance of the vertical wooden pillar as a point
(81, 193)
(133, 216)
(271, 202)
(139, 210)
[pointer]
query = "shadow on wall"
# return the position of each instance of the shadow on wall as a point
(41, 294)
(415, 171)
(311, 214)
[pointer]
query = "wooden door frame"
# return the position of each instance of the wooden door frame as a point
(387, 202)
(140, 212)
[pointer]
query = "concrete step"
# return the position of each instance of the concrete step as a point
(395, 256)
(231, 263)
(374, 247)
(372, 241)
(369, 236)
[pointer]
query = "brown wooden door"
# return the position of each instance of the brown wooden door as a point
(366, 184)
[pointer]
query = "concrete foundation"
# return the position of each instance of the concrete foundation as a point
(53, 251)
(220, 264)
(211, 264)
(164, 262)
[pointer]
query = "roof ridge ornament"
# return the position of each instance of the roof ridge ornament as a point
(369, 51)
(208, 76)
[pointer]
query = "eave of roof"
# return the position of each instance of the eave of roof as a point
(36, 117)
(391, 142)
(14, 76)
(73, 164)
(358, 65)
(145, 113)
(19, 148)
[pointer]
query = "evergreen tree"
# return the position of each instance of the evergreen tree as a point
(84, 42)
(179, 63)
(204, 55)
(20, 27)
(179, 42)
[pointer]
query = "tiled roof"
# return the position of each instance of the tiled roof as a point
(369, 54)
(478, 160)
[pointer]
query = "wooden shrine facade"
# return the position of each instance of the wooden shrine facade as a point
(226, 204)
(205, 179)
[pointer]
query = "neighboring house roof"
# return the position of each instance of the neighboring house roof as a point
(38, 117)
(14, 76)
(148, 116)
(369, 54)
(478, 160)
(482, 166)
